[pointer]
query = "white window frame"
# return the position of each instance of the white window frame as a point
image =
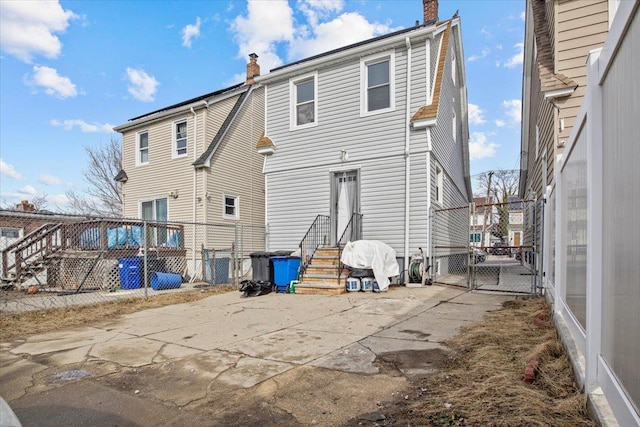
(139, 161)
(175, 124)
(439, 184)
(364, 98)
(236, 213)
(453, 66)
(156, 236)
(293, 112)
(454, 126)
(4, 230)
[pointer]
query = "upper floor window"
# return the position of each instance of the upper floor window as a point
(180, 138)
(304, 105)
(230, 207)
(142, 157)
(377, 77)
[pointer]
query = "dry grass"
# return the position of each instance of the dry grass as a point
(483, 385)
(22, 325)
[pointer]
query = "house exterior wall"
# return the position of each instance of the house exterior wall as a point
(298, 173)
(163, 173)
(236, 170)
(578, 26)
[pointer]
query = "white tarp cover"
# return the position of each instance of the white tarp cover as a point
(374, 255)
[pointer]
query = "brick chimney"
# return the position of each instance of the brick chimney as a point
(430, 8)
(253, 69)
(25, 206)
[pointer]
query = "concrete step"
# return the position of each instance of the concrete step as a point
(325, 260)
(307, 288)
(324, 252)
(321, 279)
(328, 270)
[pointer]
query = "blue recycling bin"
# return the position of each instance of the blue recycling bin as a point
(130, 270)
(285, 269)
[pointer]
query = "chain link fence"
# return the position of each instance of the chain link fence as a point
(58, 261)
(483, 246)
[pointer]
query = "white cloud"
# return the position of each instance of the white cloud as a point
(190, 32)
(29, 28)
(513, 109)
(8, 170)
(60, 199)
(49, 179)
(522, 15)
(500, 123)
(516, 59)
(53, 83)
(142, 86)
(266, 26)
(480, 147)
(84, 126)
(475, 115)
(483, 54)
(345, 29)
(27, 190)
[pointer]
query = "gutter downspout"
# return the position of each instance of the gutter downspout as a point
(407, 168)
(193, 198)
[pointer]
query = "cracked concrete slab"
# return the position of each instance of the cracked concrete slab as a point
(17, 376)
(427, 326)
(292, 346)
(131, 352)
(65, 340)
(250, 371)
(355, 358)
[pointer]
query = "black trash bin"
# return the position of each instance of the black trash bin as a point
(261, 266)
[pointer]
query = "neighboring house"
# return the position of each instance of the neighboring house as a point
(379, 129)
(482, 222)
(515, 224)
(195, 162)
(580, 153)
(558, 37)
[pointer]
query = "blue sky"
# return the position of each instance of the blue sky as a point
(71, 70)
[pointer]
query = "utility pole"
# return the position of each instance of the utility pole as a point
(484, 214)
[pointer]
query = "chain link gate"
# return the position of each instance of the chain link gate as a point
(488, 246)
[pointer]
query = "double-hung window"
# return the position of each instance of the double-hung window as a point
(377, 79)
(231, 207)
(142, 156)
(180, 138)
(304, 105)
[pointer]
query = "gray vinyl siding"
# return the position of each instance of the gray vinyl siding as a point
(418, 197)
(339, 123)
(298, 173)
(449, 153)
(297, 196)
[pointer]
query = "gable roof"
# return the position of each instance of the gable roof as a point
(205, 159)
(552, 84)
(430, 112)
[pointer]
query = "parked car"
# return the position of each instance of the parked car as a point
(479, 255)
(500, 248)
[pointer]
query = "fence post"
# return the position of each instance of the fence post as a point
(144, 254)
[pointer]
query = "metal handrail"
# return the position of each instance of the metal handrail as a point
(352, 232)
(317, 235)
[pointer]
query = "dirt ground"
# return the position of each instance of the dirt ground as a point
(480, 382)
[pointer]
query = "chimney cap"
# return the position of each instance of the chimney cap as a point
(253, 56)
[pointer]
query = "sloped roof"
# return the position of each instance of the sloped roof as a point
(549, 80)
(431, 111)
(264, 142)
(203, 160)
